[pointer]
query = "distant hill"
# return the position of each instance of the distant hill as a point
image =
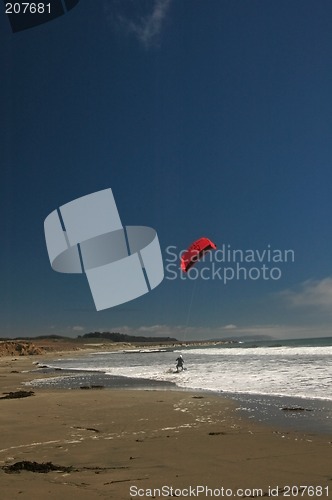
(110, 336)
(122, 337)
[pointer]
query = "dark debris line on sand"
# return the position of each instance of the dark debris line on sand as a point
(87, 428)
(92, 387)
(294, 408)
(17, 394)
(46, 467)
(43, 468)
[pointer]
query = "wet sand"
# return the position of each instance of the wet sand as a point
(117, 441)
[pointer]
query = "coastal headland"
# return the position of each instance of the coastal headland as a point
(44, 345)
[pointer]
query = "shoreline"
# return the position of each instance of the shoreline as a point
(308, 415)
(287, 412)
(114, 439)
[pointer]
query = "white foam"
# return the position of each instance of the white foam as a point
(300, 371)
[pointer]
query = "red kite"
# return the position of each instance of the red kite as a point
(195, 253)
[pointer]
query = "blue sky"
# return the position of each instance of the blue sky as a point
(206, 118)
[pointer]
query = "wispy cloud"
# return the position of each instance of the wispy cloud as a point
(312, 294)
(273, 331)
(78, 328)
(149, 27)
(145, 26)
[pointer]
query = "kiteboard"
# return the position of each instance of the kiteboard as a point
(175, 371)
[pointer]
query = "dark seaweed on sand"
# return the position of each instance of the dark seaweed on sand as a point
(43, 468)
(294, 408)
(17, 394)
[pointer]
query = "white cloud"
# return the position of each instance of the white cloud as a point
(145, 27)
(78, 328)
(312, 294)
(183, 333)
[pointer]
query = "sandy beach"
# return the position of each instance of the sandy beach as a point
(122, 444)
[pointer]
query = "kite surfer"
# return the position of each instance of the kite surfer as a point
(179, 363)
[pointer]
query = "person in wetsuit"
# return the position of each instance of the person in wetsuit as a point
(179, 363)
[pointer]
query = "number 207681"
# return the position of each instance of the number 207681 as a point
(28, 8)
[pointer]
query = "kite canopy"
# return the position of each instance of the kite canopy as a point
(195, 252)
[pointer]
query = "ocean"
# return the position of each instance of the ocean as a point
(256, 374)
